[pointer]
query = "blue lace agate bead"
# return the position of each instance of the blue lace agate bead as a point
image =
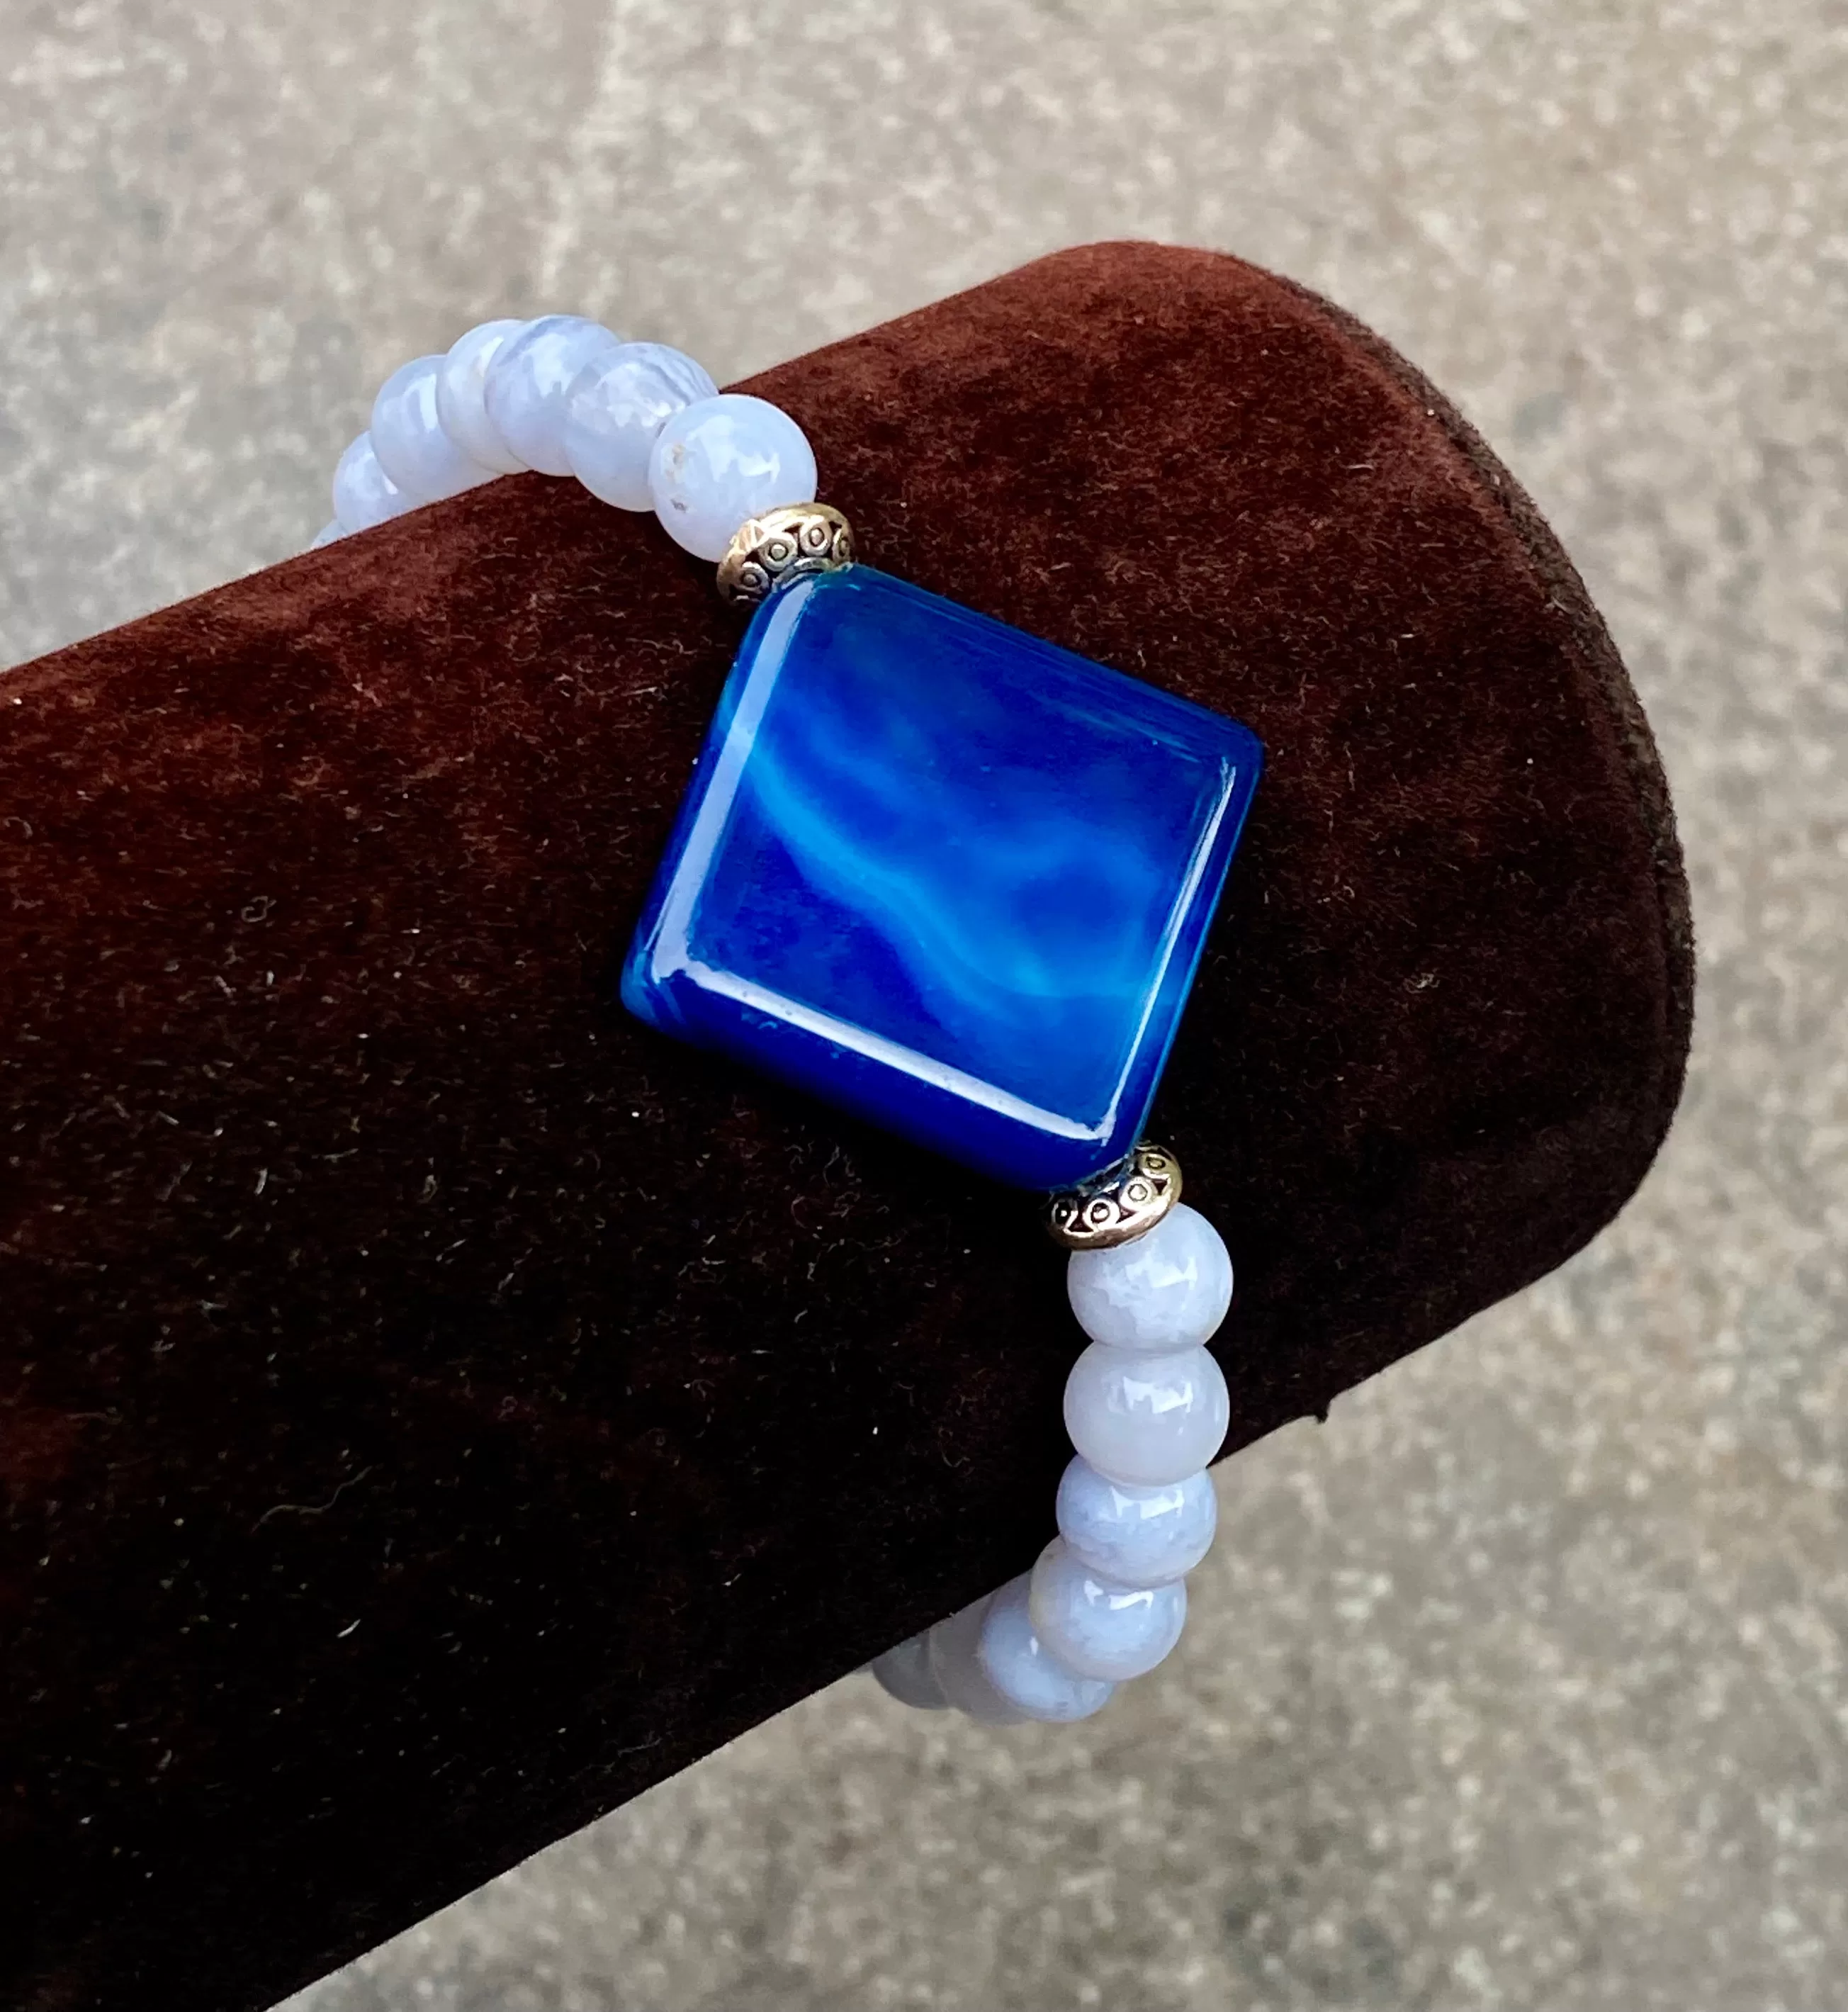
(944, 874)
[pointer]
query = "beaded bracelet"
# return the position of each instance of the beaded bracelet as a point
(944, 874)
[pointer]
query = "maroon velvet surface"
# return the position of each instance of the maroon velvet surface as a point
(428, 1398)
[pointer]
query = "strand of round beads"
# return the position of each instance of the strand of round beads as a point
(733, 478)
(1147, 1408)
(640, 425)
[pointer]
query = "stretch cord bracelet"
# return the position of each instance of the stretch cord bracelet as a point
(944, 874)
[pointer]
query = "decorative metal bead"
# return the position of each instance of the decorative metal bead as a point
(1122, 1202)
(769, 551)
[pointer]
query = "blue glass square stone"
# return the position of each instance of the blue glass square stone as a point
(944, 874)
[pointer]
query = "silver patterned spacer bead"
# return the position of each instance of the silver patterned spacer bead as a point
(769, 551)
(1123, 1202)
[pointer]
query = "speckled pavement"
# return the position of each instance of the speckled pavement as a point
(1523, 1682)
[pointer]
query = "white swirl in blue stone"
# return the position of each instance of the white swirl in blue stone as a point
(944, 874)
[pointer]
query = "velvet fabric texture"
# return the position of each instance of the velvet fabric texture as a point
(433, 1407)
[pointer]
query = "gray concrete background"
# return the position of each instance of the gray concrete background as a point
(1524, 1682)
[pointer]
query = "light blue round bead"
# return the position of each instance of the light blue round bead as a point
(904, 1672)
(1098, 1627)
(525, 383)
(461, 394)
(1025, 1672)
(1147, 1420)
(364, 495)
(1166, 1290)
(409, 439)
(1141, 1536)
(957, 1666)
(616, 406)
(721, 460)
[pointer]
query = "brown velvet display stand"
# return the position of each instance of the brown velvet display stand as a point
(435, 1407)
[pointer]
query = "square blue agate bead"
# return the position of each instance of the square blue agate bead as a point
(944, 874)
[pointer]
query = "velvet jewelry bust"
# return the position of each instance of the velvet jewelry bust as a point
(340, 1181)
